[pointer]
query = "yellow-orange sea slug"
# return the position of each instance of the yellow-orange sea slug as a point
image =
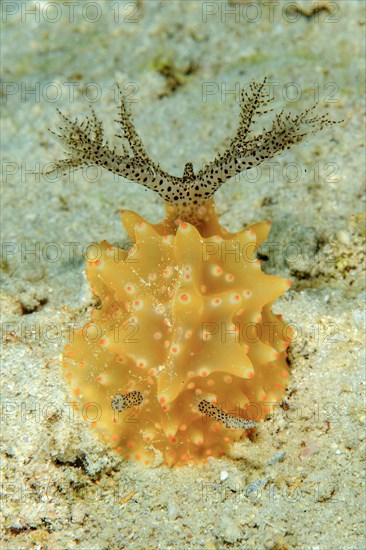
(184, 353)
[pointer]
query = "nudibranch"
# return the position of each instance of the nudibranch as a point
(183, 353)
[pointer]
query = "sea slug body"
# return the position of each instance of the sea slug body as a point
(181, 322)
(184, 353)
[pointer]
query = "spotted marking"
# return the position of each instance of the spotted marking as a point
(122, 402)
(211, 410)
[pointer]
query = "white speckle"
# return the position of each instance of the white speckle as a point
(224, 475)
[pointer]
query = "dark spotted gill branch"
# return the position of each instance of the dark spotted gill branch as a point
(86, 145)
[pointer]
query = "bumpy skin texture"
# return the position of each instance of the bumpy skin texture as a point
(184, 342)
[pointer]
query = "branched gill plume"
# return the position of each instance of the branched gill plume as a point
(86, 145)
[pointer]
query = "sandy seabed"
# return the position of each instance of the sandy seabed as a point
(299, 482)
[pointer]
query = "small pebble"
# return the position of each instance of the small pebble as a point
(172, 511)
(230, 530)
(224, 475)
(77, 515)
(344, 237)
(277, 458)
